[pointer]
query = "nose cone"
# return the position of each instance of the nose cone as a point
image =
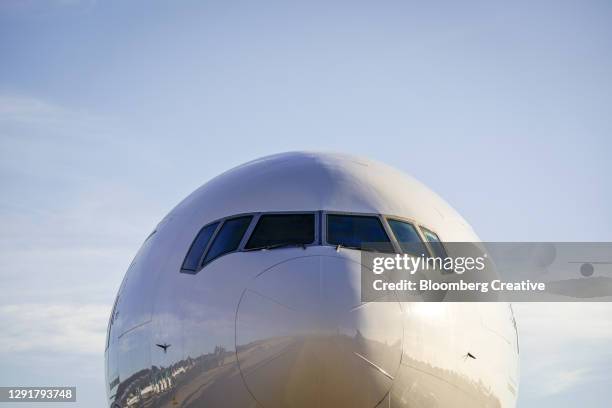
(304, 339)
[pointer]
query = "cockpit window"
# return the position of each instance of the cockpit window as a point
(282, 229)
(353, 231)
(434, 243)
(194, 256)
(274, 230)
(407, 237)
(228, 238)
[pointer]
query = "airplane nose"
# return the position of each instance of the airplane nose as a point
(304, 339)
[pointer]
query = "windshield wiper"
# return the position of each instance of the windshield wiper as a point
(279, 245)
(358, 248)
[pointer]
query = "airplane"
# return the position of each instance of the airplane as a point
(163, 346)
(587, 267)
(254, 279)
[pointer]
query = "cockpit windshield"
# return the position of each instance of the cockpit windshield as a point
(276, 230)
(435, 243)
(407, 237)
(358, 232)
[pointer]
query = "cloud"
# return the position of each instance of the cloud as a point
(18, 107)
(53, 328)
(563, 324)
(563, 346)
(42, 7)
(74, 209)
(38, 116)
(558, 382)
(79, 244)
(62, 227)
(23, 108)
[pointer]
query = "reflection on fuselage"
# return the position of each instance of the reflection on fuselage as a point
(237, 342)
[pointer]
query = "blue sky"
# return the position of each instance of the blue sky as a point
(113, 111)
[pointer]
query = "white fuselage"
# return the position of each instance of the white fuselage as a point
(286, 327)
